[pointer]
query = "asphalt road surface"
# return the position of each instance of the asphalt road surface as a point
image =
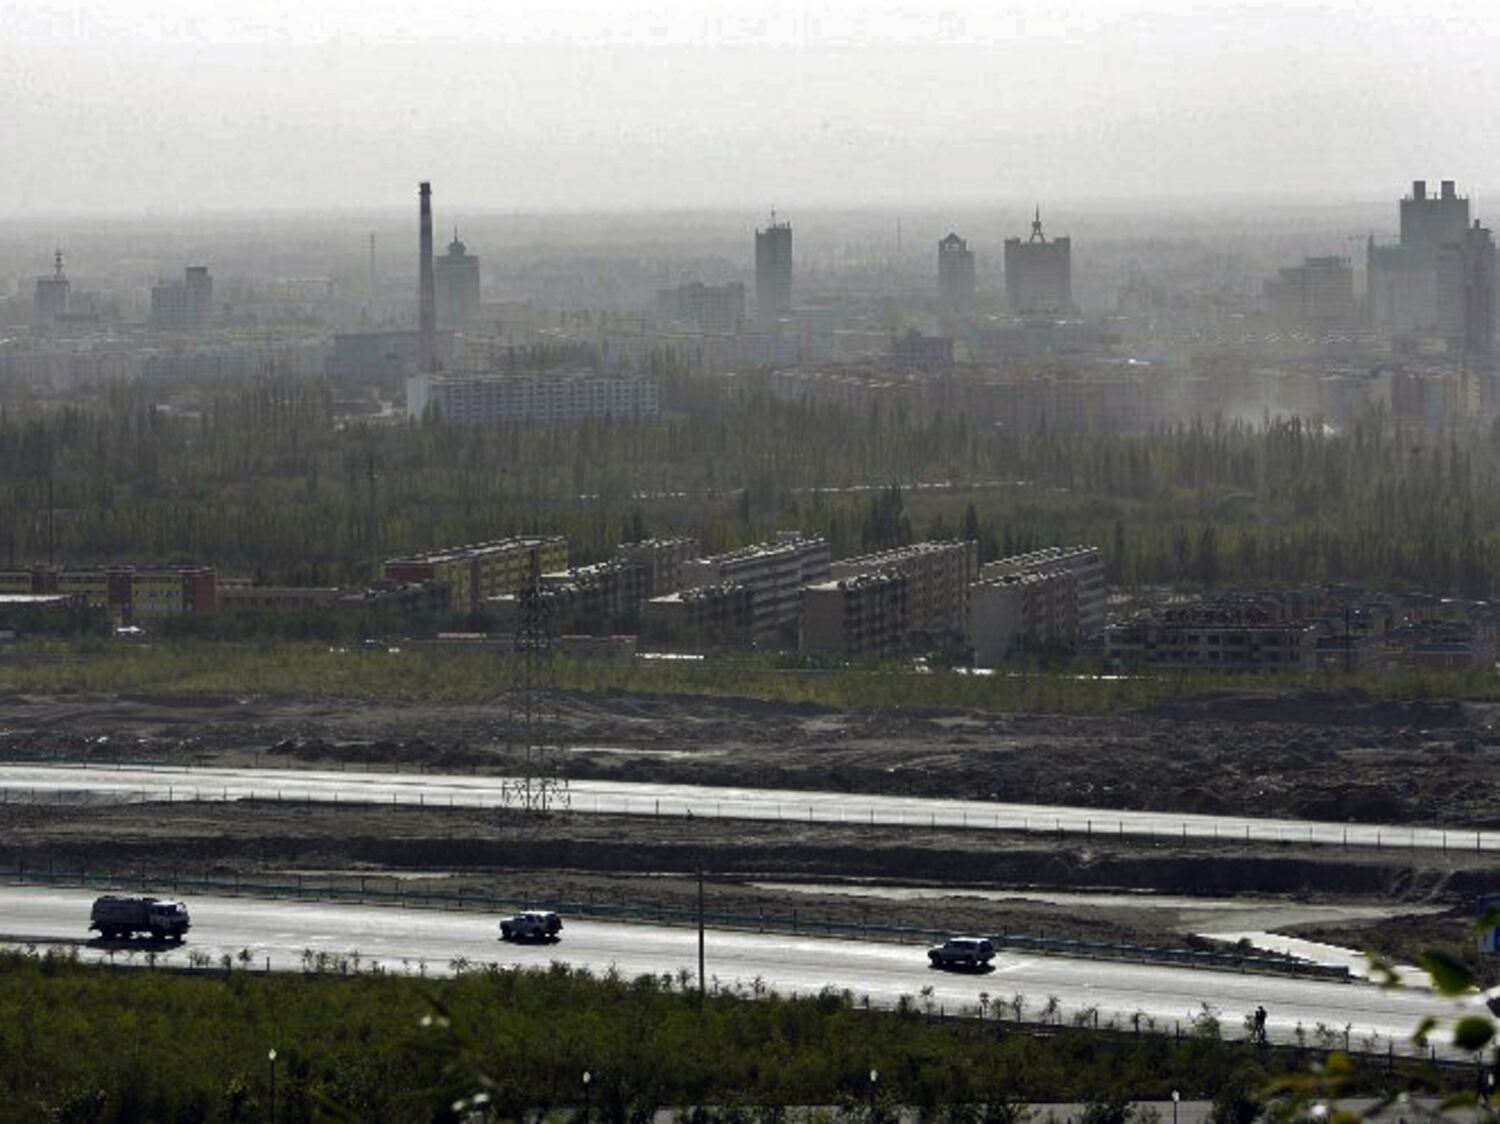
(42, 782)
(412, 940)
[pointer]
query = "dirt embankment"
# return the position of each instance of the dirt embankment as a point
(1320, 755)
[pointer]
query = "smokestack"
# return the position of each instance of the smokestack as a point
(427, 312)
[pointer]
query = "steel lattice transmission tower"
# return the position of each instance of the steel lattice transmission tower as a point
(539, 783)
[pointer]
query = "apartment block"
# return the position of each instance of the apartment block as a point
(938, 576)
(482, 570)
(1230, 638)
(661, 561)
(487, 399)
(1084, 563)
(702, 618)
(774, 573)
(126, 593)
(1046, 597)
(863, 617)
(591, 597)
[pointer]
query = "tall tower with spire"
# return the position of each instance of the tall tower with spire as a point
(51, 295)
(1039, 273)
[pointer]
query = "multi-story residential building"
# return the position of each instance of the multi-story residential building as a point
(774, 573)
(1013, 612)
(914, 351)
(597, 598)
(482, 570)
(126, 593)
(938, 576)
(660, 560)
(1084, 563)
(862, 617)
(719, 309)
(485, 399)
(702, 618)
(1235, 636)
(188, 303)
(1318, 294)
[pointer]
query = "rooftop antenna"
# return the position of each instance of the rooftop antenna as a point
(57, 262)
(1036, 226)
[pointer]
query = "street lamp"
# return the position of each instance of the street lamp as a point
(271, 1057)
(874, 1077)
(587, 1077)
(1176, 1096)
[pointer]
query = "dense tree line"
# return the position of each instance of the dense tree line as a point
(266, 480)
(89, 1044)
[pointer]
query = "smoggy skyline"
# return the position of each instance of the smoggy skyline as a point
(124, 107)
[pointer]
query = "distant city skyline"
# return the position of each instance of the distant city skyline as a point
(127, 107)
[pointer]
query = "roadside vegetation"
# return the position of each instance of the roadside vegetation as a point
(85, 1044)
(455, 674)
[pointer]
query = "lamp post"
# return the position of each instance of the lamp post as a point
(271, 1057)
(874, 1077)
(1176, 1096)
(587, 1077)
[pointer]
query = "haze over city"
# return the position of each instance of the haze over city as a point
(129, 107)
(727, 563)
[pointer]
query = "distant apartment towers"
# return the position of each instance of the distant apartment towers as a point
(773, 271)
(1439, 279)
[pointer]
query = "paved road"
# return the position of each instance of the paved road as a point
(406, 939)
(41, 782)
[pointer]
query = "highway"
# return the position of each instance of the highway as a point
(432, 941)
(31, 782)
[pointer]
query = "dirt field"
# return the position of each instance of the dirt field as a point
(1331, 756)
(1326, 756)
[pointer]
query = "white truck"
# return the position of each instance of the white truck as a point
(531, 925)
(116, 917)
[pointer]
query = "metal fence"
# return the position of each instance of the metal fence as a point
(446, 789)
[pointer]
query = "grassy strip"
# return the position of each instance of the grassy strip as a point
(427, 675)
(90, 1043)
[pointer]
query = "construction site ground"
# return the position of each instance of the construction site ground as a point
(1328, 756)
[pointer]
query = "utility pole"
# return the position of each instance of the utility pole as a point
(700, 939)
(374, 523)
(51, 513)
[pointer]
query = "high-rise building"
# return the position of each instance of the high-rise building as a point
(955, 274)
(1317, 294)
(1466, 292)
(1039, 273)
(1403, 279)
(51, 295)
(773, 270)
(188, 303)
(456, 275)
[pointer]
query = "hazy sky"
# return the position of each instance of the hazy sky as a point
(198, 105)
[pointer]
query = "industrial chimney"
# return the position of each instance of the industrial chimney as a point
(427, 313)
